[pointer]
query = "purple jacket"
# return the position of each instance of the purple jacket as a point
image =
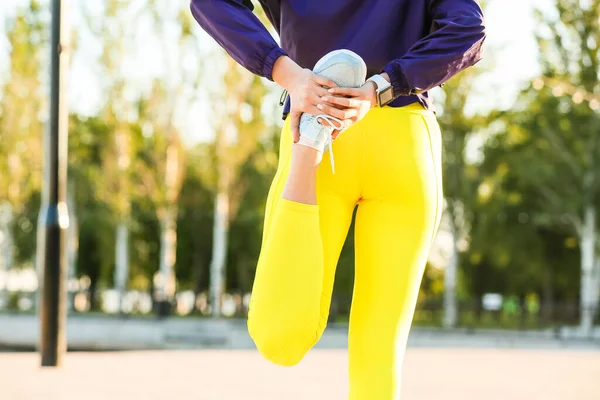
(419, 43)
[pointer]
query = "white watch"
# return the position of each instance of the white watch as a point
(385, 91)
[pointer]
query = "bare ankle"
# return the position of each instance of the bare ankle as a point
(301, 183)
(306, 157)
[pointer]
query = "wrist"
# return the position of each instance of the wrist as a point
(284, 71)
(383, 89)
(373, 93)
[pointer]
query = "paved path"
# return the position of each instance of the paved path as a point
(110, 332)
(448, 374)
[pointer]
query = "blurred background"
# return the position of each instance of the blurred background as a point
(172, 148)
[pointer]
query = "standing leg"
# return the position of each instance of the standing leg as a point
(395, 224)
(301, 247)
(390, 257)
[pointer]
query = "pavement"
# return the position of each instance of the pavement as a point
(429, 374)
(109, 332)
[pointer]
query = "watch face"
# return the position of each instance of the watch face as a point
(386, 96)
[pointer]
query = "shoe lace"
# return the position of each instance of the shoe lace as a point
(337, 125)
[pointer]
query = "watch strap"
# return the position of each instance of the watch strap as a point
(381, 85)
(380, 82)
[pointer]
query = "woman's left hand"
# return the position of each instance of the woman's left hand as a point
(349, 104)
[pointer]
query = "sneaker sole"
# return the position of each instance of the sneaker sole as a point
(325, 59)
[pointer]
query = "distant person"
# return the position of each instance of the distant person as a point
(388, 162)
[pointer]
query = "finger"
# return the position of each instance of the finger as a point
(320, 91)
(312, 102)
(334, 112)
(345, 102)
(316, 91)
(352, 92)
(315, 100)
(294, 125)
(322, 81)
(313, 110)
(347, 123)
(339, 107)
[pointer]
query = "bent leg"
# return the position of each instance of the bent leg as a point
(296, 268)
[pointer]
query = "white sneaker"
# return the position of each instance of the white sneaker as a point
(346, 69)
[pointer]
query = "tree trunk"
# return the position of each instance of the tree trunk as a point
(168, 252)
(198, 268)
(220, 224)
(524, 311)
(244, 284)
(450, 282)
(72, 246)
(478, 290)
(121, 261)
(198, 280)
(548, 296)
(93, 291)
(589, 275)
(6, 249)
(596, 286)
(217, 266)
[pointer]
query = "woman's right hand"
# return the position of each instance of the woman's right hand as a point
(304, 87)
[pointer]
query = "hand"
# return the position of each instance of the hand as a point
(304, 87)
(349, 104)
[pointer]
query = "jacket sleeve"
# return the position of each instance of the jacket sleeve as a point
(233, 25)
(454, 44)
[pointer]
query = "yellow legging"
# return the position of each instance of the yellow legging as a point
(389, 164)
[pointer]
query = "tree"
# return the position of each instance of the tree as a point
(171, 96)
(116, 33)
(160, 171)
(531, 189)
(248, 209)
(539, 181)
(20, 124)
(87, 140)
(567, 132)
(514, 248)
(459, 178)
(195, 220)
(239, 126)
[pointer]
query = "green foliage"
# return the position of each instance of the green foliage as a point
(96, 219)
(540, 168)
(24, 228)
(194, 224)
(20, 105)
(517, 208)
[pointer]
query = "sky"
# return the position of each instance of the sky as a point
(510, 58)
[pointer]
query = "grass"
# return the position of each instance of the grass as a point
(468, 319)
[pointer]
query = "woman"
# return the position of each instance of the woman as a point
(387, 162)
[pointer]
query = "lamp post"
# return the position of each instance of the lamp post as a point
(53, 220)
